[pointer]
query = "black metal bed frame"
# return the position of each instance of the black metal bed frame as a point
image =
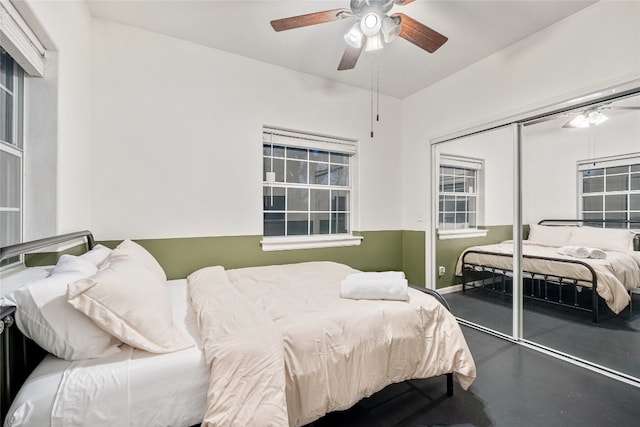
(555, 281)
(20, 355)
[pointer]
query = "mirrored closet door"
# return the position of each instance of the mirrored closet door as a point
(580, 205)
(473, 193)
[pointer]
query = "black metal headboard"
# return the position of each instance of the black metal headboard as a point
(20, 355)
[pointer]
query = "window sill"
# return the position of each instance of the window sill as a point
(461, 234)
(309, 242)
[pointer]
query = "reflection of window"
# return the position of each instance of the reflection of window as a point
(11, 155)
(610, 190)
(458, 193)
(306, 185)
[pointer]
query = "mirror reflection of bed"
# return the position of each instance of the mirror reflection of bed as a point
(590, 173)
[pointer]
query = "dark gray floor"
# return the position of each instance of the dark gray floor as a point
(613, 342)
(516, 386)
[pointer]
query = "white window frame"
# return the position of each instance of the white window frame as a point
(15, 148)
(295, 139)
(603, 163)
(469, 163)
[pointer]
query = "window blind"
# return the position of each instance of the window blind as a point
(17, 39)
(608, 162)
(460, 162)
(306, 140)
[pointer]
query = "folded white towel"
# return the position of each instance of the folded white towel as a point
(574, 251)
(386, 285)
(596, 253)
(582, 252)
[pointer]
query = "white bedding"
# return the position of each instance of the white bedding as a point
(146, 389)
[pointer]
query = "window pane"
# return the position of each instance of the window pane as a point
(459, 184)
(10, 227)
(617, 169)
(617, 183)
(319, 173)
(278, 151)
(273, 224)
(616, 216)
(634, 202)
(297, 153)
(635, 168)
(319, 156)
(6, 70)
(297, 199)
(297, 224)
(471, 204)
(278, 168)
(320, 200)
(441, 204)
(470, 185)
(593, 185)
(297, 171)
(615, 202)
(6, 117)
(266, 149)
(461, 204)
(340, 175)
(472, 220)
(447, 183)
(320, 223)
(592, 203)
(449, 204)
(461, 221)
(339, 201)
(635, 181)
(339, 223)
(273, 198)
(10, 181)
(340, 158)
(593, 172)
(593, 216)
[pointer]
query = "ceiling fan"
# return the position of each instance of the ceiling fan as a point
(593, 116)
(373, 26)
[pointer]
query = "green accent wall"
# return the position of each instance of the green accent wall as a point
(379, 251)
(448, 251)
(414, 256)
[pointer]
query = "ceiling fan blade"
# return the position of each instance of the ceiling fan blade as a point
(403, 2)
(621, 107)
(350, 57)
(308, 19)
(419, 34)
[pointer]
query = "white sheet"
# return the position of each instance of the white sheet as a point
(142, 388)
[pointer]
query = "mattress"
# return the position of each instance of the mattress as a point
(145, 389)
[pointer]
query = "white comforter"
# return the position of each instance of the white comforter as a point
(616, 274)
(284, 349)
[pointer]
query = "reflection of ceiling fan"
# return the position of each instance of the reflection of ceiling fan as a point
(593, 116)
(373, 26)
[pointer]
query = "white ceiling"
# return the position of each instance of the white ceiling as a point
(475, 29)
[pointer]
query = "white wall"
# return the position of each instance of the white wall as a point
(591, 49)
(65, 93)
(177, 131)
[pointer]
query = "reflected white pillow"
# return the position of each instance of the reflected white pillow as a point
(133, 251)
(96, 255)
(603, 238)
(549, 235)
(130, 302)
(73, 264)
(44, 315)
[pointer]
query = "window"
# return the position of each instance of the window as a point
(11, 154)
(459, 204)
(307, 190)
(610, 191)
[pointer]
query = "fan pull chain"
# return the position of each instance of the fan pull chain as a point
(371, 100)
(377, 90)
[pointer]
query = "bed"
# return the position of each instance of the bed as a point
(271, 345)
(562, 261)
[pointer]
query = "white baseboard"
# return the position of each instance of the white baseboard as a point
(449, 289)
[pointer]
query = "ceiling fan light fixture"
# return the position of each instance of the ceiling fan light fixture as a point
(390, 29)
(588, 119)
(370, 24)
(374, 43)
(354, 36)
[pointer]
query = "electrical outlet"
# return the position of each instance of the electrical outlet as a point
(441, 270)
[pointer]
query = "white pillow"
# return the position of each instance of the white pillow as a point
(549, 235)
(131, 250)
(603, 238)
(96, 255)
(130, 302)
(73, 264)
(44, 315)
